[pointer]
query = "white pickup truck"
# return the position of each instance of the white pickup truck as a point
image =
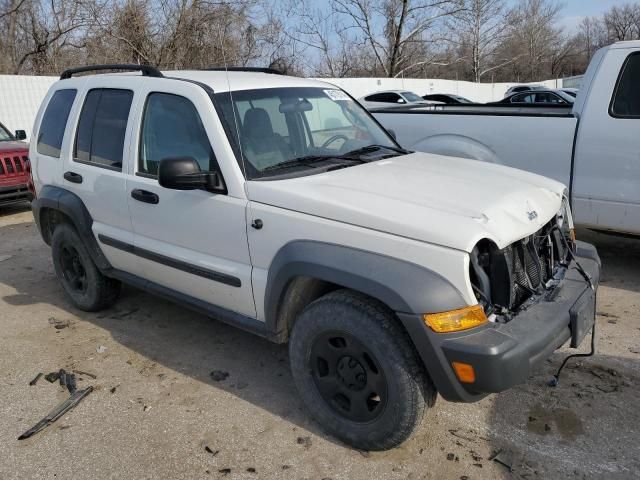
(594, 147)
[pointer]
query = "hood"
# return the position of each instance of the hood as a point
(13, 146)
(448, 201)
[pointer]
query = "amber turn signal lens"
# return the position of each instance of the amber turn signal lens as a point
(464, 372)
(456, 320)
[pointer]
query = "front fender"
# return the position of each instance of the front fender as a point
(403, 286)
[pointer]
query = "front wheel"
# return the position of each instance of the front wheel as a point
(357, 371)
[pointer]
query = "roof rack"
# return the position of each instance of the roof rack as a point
(245, 69)
(147, 70)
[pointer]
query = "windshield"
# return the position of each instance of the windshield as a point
(4, 134)
(289, 127)
(412, 97)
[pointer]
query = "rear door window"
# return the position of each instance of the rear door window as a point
(626, 97)
(102, 127)
(54, 122)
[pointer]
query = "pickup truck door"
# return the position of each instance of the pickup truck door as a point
(191, 241)
(607, 157)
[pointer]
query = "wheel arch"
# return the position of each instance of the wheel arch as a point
(304, 270)
(56, 205)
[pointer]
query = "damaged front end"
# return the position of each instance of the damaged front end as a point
(508, 280)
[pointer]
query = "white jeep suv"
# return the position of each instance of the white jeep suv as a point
(279, 205)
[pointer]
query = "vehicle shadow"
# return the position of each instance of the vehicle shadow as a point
(13, 208)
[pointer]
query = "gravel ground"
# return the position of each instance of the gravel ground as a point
(156, 411)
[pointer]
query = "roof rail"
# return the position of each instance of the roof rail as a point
(147, 70)
(245, 69)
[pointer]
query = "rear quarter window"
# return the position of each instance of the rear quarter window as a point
(626, 96)
(54, 122)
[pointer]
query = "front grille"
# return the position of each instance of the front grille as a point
(15, 165)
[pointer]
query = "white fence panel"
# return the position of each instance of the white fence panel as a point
(20, 98)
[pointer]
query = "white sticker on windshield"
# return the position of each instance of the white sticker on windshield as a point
(336, 95)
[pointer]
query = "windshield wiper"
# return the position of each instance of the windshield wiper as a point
(306, 161)
(371, 149)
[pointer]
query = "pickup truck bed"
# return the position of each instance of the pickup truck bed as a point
(507, 135)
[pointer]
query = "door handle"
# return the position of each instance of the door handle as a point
(145, 196)
(73, 177)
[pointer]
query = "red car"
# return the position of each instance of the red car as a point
(15, 178)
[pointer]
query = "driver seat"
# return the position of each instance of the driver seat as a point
(262, 145)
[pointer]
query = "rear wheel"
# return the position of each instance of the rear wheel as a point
(87, 287)
(357, 371)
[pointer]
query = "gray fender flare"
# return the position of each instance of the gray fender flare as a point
(69, 204)
(401, 285)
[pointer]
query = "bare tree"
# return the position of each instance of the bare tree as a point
(478, 31)
(622, 22)
(397, 32)
(38, 33)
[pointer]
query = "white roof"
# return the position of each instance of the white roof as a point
(222, 81)
(627, 44)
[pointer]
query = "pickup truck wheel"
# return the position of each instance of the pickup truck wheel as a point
(357, 371)
(88, 288)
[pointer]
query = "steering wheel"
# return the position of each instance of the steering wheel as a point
(330, 140)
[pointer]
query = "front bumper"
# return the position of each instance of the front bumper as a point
(14, 193)
(504, 355)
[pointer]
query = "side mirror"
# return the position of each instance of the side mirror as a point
(21, 135)
(183, 173)
(400, 100)
(392, 133)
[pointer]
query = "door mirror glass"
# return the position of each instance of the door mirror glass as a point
(183, 173)
(21, 135)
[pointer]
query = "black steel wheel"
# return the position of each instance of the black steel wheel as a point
(357, 371)
(87, 287)
(72, 269)
(348, 376)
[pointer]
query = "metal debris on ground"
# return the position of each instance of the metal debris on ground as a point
(67, 380)
(101, 349)
(503, 458)
(35, 380)
(52, 377)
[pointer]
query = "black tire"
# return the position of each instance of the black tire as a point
(357, 371)
(87, 287)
